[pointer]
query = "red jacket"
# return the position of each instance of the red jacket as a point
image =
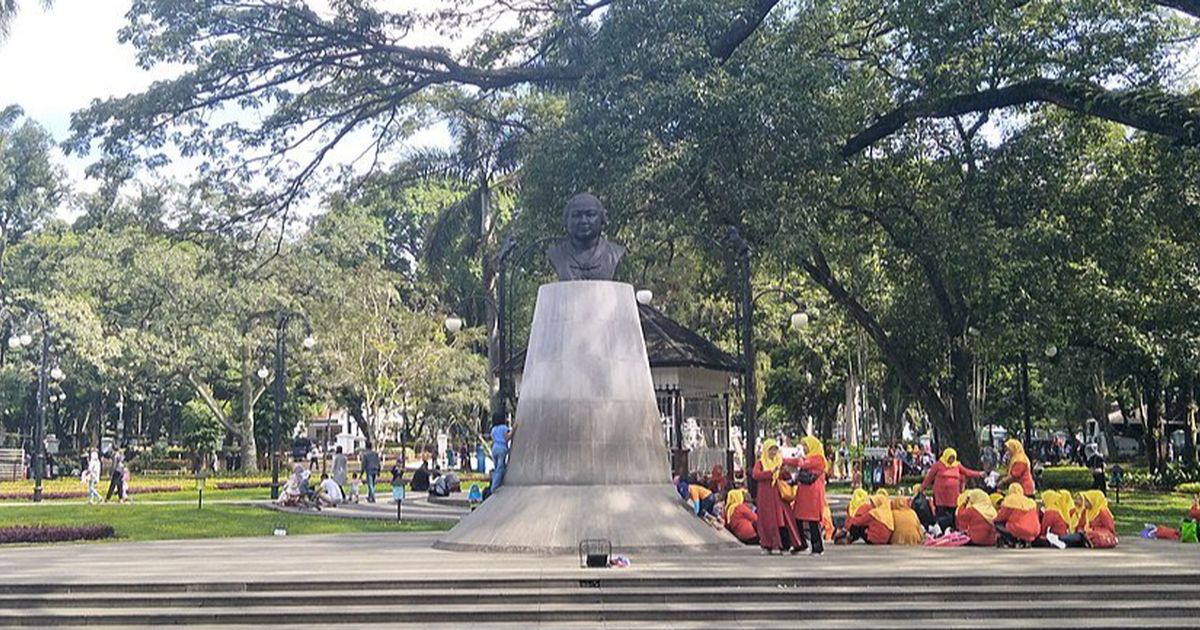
(810, 499)
(877, 533)
(1103, 522)
(980, 531)
(1020, 523)
(1053, 522)
(947, 482)
(1021, 474)
(741, 523)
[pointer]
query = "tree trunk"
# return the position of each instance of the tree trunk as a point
(1189, 455)
(1153, 396)
(248, 446)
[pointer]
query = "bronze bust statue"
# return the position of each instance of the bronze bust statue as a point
(584, 254)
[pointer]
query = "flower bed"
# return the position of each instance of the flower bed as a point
(53, 533)
(27, 495)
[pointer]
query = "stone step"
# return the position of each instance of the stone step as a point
(882, 595)
(1047, 613)
(789, 624)
(613, 579)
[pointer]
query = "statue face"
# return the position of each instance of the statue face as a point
(584, 217)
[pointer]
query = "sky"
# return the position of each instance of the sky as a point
(57, 61)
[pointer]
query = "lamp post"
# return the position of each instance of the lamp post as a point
(282, 319)
(38, 461)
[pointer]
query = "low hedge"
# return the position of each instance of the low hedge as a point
(1066, 478)
(1189, 488)
(82, 494)
(53, 533)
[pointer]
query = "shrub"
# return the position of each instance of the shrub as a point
(1066, 478)
(1192, 487)
(233, 485)
(53, 533)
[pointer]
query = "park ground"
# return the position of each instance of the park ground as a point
(239, 512)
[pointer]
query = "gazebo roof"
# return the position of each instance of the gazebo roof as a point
(669, 344)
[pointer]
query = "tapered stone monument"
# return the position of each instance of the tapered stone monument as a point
(588, 459)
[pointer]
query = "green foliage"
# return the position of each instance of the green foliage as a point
(1072, 478)
(201, 432)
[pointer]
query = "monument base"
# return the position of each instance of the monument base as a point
(554, 519)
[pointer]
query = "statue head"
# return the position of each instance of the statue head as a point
(584, 217)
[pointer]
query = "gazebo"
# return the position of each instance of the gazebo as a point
(692, 381)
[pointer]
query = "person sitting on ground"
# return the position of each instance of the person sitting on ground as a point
(1017, 521)
(1096, 528)
(975, 516)
(398, 471)
(474, 496)
(329, 493)
(292, 494)
(717, 481)
(444, 484)
(908, 530)
(873, 522)
(948, 477)
(700, 499)
(1019, 469)
(420, 479)
(355, 486)
(1056, 518)
(740, 518)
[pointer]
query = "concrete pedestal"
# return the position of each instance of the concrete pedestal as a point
(588, 459)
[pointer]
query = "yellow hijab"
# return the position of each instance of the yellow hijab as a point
(882, 511)
(1015, 447)
(733, 499)
(1060, 502)
(857, 500)
(768, 462)
(978, 500)
(1093, 502)
(812, 446)
(1017, 500)
(949, 457)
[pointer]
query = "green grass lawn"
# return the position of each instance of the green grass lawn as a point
(1138, 508)
(147, 521)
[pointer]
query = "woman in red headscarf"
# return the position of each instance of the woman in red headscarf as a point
(776, 525)
(717, 481)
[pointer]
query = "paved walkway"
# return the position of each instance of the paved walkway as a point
(417, 508)
(410, 556)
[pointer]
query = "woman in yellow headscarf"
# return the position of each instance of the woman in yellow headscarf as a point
(907, 530)
(1019, 469)
(975, 516)
(873, 522)
(809, 506)
(1096, 523)
(1017, 521)
(776, 526)
(948, 477)
(1056, 518)
(740, 519)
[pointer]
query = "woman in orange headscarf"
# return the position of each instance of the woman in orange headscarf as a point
(740, 518)
(975, 516)
(1017, 521)
(776, 525)
(947, 476)
(1056, 518)
(908, 530)
(809, 506)
(1019, 469)
(873, 522)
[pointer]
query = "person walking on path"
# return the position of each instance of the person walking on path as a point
(809, 506)
(502, 435)
(1095, 463)
(117, 477)
(371, 466)
(340, 469)
(776, 522)
(91, 477)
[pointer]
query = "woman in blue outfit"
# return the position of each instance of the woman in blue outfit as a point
(501, 437)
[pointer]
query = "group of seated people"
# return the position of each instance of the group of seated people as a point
(790, 503)
(300, 492)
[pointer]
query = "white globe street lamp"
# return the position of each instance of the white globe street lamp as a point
(26, 339)
(453, 324)
(263, 373)
(799, 320)
(56, 373)
(645, 296)
(309, 342)
(1051, 351)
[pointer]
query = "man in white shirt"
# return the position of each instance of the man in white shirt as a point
(329, 493)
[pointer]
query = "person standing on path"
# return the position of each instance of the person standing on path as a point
(1019, 468)
(947, 476)
(1095, 463)
(502, 435)
(776, 523)
(371, 466)
(91, 476)
(809, 506)
(340, 469)
(116, 480)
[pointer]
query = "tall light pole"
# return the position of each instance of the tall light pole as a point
(282, 319)
(18, 340)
